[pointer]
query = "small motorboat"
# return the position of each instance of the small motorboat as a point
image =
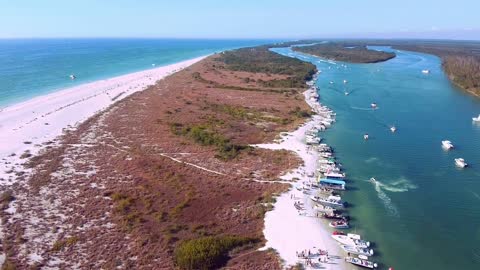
(332, 201)
(365, 137)
(476, 119)
(345, 81)
(339, 224)
(447, 144)
(361, 262)
(331, 82)
(373, 180)
(72, 77)
(426, 71)
(351, 240)
(393, 129)
(334, 175)
(334, 216)
(373, 105)
(460, 162)
(357, 250)
(346, 93)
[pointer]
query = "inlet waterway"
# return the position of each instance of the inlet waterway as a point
(423, 212)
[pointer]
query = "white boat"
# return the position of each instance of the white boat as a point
(334, 175)
(331, 82)
(373, 105)
(447, 144)
(346, 93)
(393, 129)
(373, 180)
(332, 201)
(476, 119)
(357, 250)
(345, 81)
(365, 137)
(460, 162)
(339, 224)
(425, 71)
(72, 77)
(361, 262)
(351, 240)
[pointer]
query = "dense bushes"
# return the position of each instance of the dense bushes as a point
(206, 135)
(261, 60)
(207, 252)
(337, 51)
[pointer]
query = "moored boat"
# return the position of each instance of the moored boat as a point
(357, 250)
(393, 129)
(334, 175)
(361, 262)
(351, 240)
(476, 119)
(425, 71)
(332, 201)
(339, 224)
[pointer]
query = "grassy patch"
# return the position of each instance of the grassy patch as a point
(64, 243)
(207, 252)
(206, 135)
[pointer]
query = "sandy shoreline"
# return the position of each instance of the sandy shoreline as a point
(288, 230)
(26, 127)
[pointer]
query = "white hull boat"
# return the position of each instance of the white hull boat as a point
(334, 175)
(361, 262)
(476, 119)
(351, 240)
(447, 145)
(460, 162)
(357, 250)
(332, 201)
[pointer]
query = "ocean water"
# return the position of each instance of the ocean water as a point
(424, 213)
(33, 67)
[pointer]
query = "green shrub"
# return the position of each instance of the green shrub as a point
(207, 252)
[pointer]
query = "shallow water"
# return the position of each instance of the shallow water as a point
(423, 213)
(34, 67)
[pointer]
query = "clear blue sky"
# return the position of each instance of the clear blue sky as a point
(240, 19)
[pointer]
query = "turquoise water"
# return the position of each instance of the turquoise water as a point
(32, 67)
(424, 213)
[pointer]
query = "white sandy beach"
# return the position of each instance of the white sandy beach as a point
(24, 127)
(289, 231)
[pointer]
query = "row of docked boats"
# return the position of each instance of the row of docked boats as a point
(328, 203)
(353, 244)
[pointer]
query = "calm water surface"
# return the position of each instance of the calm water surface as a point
(33, 67)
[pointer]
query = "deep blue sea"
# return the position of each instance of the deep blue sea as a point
(424, 213)
(33, 67)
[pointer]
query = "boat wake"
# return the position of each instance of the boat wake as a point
(400, 185)
(387, 202)
(363, 109)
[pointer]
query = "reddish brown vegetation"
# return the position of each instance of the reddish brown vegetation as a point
(110, 195)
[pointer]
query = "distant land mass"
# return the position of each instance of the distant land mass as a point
(342, 52)
(460, 59)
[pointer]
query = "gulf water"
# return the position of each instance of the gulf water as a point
(424, 213)
(34, 67)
